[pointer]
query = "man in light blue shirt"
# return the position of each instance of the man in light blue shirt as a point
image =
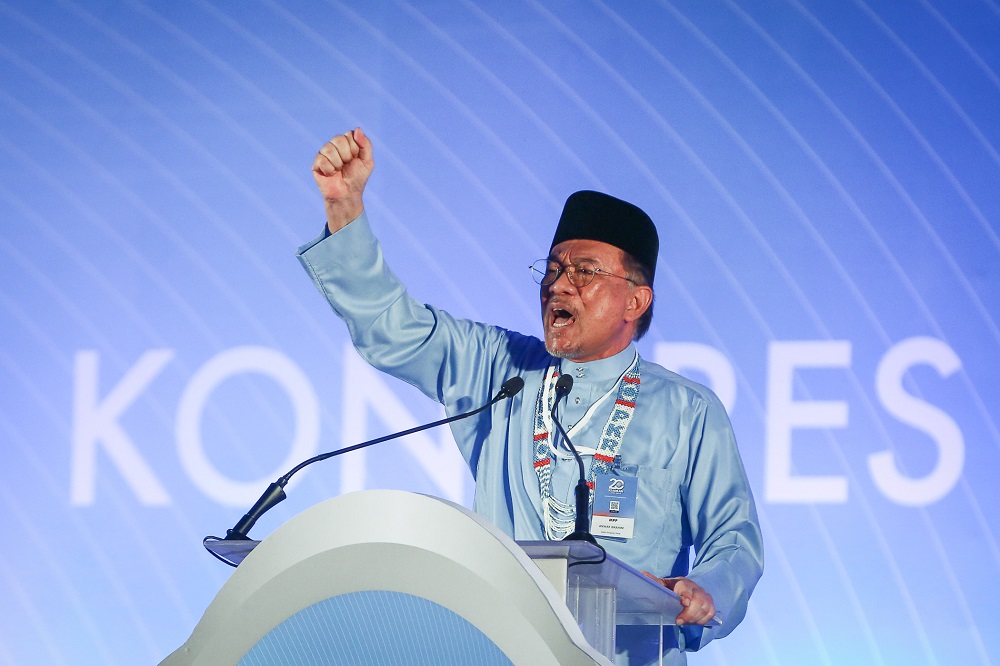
(668, 440)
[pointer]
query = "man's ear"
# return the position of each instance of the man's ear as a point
(639, 301)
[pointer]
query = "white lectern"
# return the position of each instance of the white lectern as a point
(389, 577)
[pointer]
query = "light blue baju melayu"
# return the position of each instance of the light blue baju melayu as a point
(692, 488)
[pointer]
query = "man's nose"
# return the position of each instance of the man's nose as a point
(562, 283)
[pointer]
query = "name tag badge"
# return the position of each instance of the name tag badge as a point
(614, 506)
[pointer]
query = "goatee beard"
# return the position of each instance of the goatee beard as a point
(567, 354)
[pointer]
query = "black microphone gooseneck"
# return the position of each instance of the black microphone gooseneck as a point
(581, 530)
(275, 492)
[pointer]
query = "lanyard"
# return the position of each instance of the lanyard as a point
(558, 515)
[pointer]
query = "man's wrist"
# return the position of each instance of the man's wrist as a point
(341, 213)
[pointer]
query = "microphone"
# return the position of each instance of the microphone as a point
(581, 530)
(275, 492)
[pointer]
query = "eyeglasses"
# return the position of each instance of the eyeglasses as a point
(580, 274)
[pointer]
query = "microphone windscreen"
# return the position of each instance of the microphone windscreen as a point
(512, 387)
(564, 384)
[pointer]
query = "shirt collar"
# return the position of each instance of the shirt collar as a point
(602, 370)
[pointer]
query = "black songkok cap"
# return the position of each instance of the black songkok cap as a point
(595, 216)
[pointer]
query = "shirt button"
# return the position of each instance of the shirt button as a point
(578, 400)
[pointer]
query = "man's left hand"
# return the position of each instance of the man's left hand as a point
(699, 608)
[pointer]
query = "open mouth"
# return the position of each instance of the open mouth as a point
(561, 318)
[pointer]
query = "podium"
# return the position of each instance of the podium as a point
(388, 577)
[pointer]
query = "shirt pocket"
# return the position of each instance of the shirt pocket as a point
(658, 509)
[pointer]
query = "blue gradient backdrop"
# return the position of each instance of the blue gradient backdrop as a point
(824, 175)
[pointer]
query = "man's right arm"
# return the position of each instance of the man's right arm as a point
(450, 360)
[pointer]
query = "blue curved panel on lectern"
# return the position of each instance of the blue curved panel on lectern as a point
(375, 627)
